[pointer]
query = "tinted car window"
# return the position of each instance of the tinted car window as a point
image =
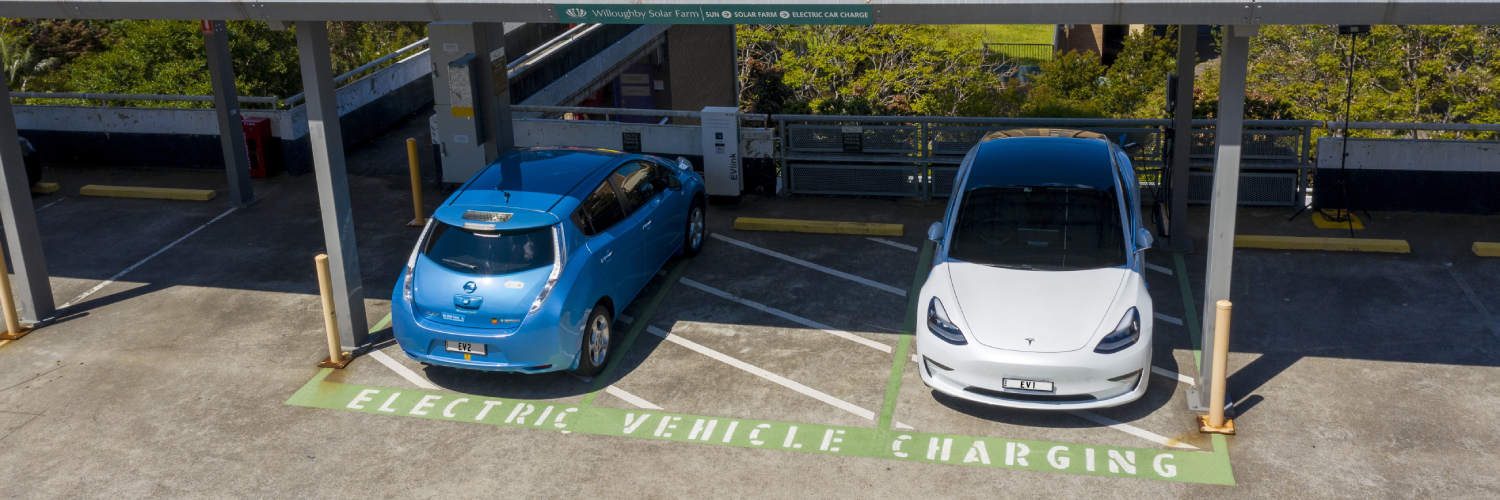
(1047, 228)
(489, 253)
(600, 211)
(635, 180)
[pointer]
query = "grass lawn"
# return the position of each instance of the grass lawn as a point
(1010, 33)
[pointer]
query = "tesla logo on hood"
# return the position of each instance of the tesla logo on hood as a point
(470, 287)
(1028, 341)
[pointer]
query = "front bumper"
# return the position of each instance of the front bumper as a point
(1082, 379)
(529, 348)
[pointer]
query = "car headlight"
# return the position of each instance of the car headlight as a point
(411, 261)
(1124, 335)
(939, 324)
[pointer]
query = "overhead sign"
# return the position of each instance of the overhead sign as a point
(715, 14)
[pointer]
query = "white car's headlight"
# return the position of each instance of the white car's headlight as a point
(939, 324)
(1124, 335)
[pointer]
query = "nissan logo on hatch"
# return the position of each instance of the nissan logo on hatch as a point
(470, 287)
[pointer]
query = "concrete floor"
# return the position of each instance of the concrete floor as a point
(1356, 375)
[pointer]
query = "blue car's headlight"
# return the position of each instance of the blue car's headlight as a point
(942, 327)
(1124, 335)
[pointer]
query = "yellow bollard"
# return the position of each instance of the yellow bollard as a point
(416, 184)
(13, 328)
(337, 357)
(1214, 422)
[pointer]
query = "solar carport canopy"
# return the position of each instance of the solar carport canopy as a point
(1453, 12)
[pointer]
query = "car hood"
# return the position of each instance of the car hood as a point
(1058, 311)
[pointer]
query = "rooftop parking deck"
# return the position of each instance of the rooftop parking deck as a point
(184, 365)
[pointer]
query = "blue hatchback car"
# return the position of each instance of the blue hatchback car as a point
(525, 267)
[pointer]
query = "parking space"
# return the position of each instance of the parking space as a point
(769, 355)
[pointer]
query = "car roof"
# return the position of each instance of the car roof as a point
(527, 183)
(1042, 161)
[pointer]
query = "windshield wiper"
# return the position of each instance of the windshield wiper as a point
(470, 266)
(1023, 267)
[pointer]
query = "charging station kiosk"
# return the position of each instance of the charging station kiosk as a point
(723, 172)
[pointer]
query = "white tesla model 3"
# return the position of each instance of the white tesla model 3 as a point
(1036, 299)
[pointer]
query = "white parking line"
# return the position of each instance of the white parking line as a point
(795, 318)
(1132, 430)
(121, 274)
(757, 371)
(631, 398)
(403, 371)
(1158, 269)
(1166, 318)
(810, 265)
(44, 207)
(902, 246)
(1174, 375)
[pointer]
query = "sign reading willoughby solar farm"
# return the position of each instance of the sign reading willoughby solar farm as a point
(715, 14)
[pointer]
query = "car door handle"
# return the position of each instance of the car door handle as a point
(647, 225)
(607, 256)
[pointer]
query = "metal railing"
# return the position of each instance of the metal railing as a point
(1025, 54)
(294, 99)
(91, 96)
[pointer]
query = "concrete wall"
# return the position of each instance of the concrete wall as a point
(188, 138)
(1446, 176)
(700, 69)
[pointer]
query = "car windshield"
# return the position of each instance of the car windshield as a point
(1045, 228)
(489, 253)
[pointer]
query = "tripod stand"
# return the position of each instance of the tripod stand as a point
(1351, 202)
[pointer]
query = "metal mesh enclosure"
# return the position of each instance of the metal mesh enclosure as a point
(1256, 188)
(873, 180)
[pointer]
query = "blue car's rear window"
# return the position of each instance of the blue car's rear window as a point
(489, 253)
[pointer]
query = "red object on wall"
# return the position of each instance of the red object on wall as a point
(257, 140)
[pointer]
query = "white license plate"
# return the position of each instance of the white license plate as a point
(1027, 385)
(465, 347)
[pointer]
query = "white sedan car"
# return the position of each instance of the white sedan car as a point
(1036, 298)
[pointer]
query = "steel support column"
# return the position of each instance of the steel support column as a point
(1182, 142)
(227, 112)
(333, 182)
(33, 289)
(496, 103)
(1227, 138)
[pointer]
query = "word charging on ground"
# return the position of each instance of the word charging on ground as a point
(716, 14)
(1169, 465)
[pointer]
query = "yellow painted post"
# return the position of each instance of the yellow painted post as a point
(1215, 421)
(337, 358)
(416, 184)
(13, 328)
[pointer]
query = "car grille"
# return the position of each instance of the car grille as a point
(475, 215)
(1016, 396)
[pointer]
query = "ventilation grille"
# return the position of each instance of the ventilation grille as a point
(1015, 396)
(486, 216)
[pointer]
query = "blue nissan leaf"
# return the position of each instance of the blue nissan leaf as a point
(525, 267)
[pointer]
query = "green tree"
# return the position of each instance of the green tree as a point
(1076, 84)
(167, 57)
(880, 70)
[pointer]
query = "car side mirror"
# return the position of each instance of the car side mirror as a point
(673, 183)
(684, 164)
(935, 232)
(1143, 239)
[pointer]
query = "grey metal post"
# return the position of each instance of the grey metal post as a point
(1227, 138)
(227, 111)
(493, 94)
(34, 297)
(333, 182)
(1182, 142)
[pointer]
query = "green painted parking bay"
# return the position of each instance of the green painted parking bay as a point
(744, 349)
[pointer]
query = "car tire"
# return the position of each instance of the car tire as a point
(593, 350)
(697, 229)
